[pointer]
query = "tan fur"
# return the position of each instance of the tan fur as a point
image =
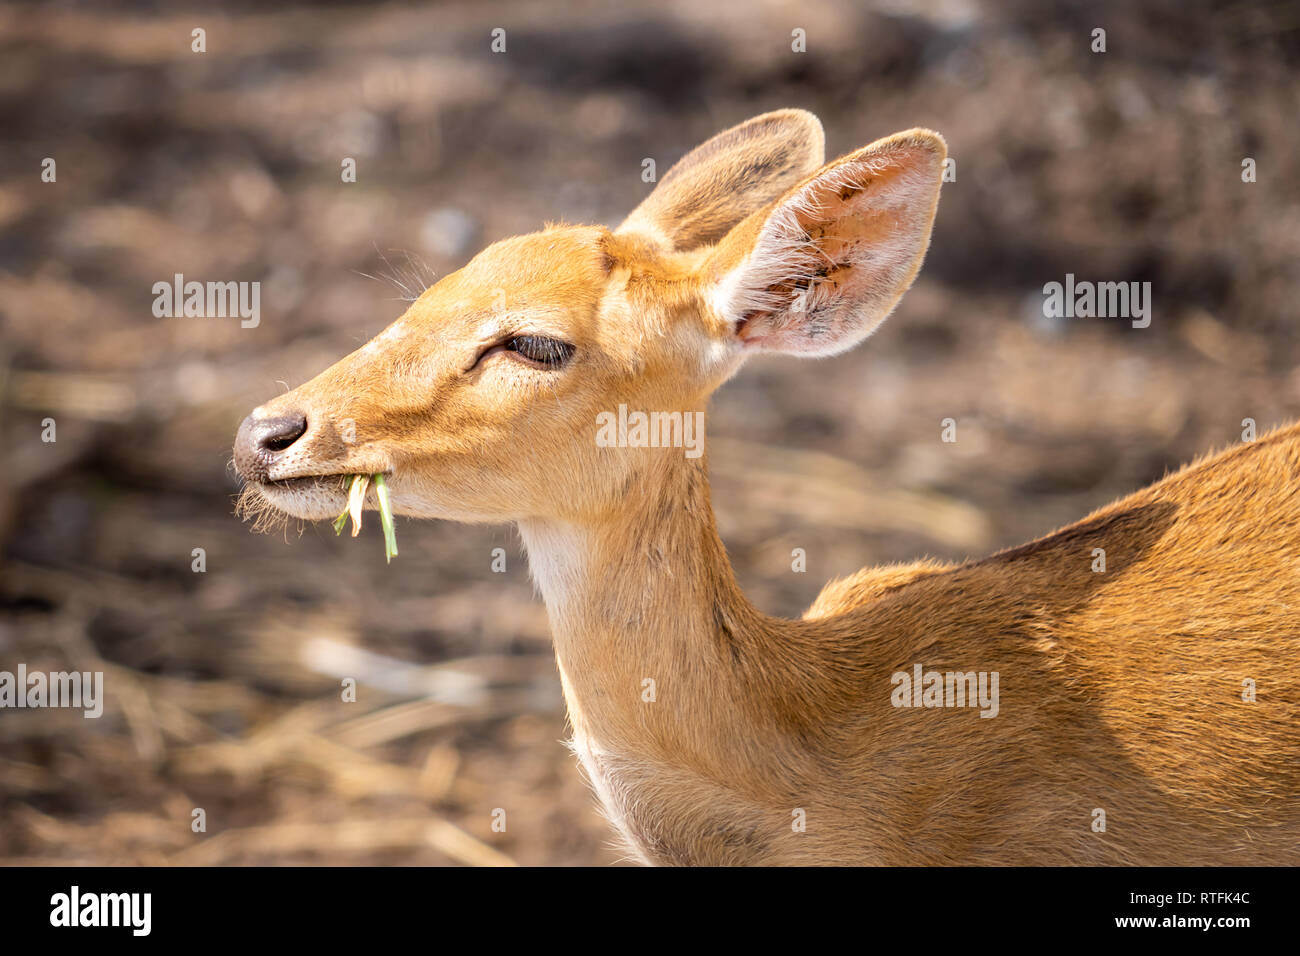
(1120, 691)
(722, 181)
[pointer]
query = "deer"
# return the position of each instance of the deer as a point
(1147, 714)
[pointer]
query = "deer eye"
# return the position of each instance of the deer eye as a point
(540, 350)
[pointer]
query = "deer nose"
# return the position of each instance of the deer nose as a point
(261, 441)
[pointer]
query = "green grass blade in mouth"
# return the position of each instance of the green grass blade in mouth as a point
(386, 517)
(342, 519)
(356, 487)
(357, 500)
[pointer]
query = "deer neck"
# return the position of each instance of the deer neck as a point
(650, 627)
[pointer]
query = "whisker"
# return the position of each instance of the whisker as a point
(411, 278)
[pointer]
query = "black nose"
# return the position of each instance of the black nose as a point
(262, 440)
(277, 434)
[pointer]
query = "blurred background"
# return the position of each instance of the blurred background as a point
(223, 686)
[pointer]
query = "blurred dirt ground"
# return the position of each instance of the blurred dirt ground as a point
(223, 687)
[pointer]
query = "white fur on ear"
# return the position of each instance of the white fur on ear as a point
(835, 254)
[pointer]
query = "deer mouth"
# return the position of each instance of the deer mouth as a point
(306, 497)
(309, 483)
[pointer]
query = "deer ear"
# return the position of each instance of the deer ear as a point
(816, 273)
(719, 183)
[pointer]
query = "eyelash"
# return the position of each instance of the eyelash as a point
(538, 350)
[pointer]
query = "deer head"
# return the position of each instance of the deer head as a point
(481, 402)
